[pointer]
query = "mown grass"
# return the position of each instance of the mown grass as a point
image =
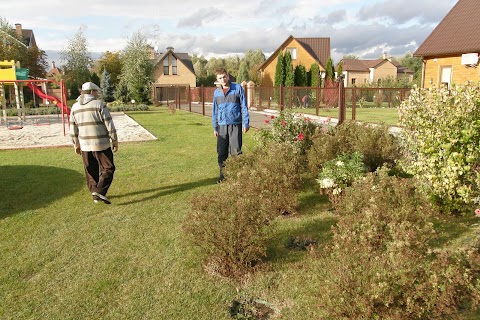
(64, 257)
(388, 116)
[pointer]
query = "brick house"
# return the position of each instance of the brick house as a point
(172, 69)
(27, 36)
(450, 52)
(359, 72)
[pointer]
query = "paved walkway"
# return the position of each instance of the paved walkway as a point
(257, 118)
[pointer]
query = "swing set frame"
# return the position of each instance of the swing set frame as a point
(19, 99)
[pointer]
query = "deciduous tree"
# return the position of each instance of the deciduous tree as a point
(137, 71)
(112, 63)
(77, 61)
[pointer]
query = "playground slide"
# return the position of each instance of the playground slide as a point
(42, 95)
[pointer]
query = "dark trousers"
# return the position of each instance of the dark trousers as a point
(229, 140)
(99, 169)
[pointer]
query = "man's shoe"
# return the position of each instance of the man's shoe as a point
(101, 197)
(96, 199)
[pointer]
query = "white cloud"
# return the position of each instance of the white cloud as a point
(361, 27)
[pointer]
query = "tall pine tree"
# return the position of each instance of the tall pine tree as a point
(280, 71)
(315, 75)
(289, 74)
(107, 87)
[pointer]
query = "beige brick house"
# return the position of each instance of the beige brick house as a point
(450, 52)
(304, 51)
(171, 69)
(360, 72)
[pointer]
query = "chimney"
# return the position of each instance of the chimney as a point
(53, 64)
(18, 29)
(384, 54)
(169, 48)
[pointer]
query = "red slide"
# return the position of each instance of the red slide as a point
(55, 101)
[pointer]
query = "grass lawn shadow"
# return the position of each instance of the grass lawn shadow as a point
(287, 243)
(32, 187)
(154, 193)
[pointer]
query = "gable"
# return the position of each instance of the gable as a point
(182, 58)
(316, 48)
(457, 33)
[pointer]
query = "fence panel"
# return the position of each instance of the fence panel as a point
(198, 99)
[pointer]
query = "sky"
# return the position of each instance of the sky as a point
(365, 28)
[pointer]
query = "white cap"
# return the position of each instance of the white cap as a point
(87, 86)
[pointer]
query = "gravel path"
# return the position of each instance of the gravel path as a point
(48, 131)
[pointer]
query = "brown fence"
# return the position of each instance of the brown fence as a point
(197, 99)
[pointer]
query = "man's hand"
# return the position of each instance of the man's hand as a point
(77, 149)
(115, 146)
(245, 130)
(215, 133)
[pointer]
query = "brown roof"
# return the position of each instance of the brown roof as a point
(318, 48)
(183, 57)
(402, 69)
(360, 65)
(457, 33)
(364, 65)
(29, 38)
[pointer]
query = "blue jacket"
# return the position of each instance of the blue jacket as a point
(230, 108)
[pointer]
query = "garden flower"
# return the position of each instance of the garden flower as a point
(267, 121)
(300, 136)
(284, 123)
(477, 212)
(326, 183)
(339, 163)
(272, 117)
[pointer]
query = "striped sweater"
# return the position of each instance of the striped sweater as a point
(91, 125)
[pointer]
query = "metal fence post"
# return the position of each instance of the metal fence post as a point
(341, 100)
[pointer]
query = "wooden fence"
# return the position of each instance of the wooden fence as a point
(280, 98)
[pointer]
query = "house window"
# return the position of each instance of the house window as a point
(353, 81)
(165, 66)
(446, 76)
(293, 52)
(174, 65)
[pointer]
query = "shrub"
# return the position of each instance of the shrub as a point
(227, 223)
(341, 172)
(380, 266)
(273, 172)
(441, 136)
(120, 107)
(374, 142)
(296, 130)
(231, 223)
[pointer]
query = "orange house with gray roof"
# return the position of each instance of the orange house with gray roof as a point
(450, 53)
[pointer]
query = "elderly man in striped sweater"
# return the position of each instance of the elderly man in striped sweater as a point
(94, 137)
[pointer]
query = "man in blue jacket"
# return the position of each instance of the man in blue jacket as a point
(230, 117)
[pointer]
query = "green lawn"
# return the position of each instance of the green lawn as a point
(64, 257)
(388, 116)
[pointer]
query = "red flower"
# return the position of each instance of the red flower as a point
(267, 121)
(300, 136)
(272, 117)
(307, 119)
(284, 123)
